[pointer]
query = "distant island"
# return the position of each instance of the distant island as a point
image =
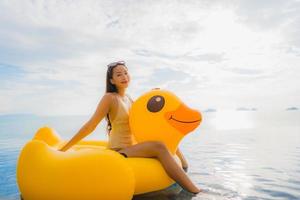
(246, 109)
(210, 110)
(292, 108)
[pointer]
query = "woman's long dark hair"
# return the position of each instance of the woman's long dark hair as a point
(110, 88)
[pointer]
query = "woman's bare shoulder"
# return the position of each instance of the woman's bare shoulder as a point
(109, 95)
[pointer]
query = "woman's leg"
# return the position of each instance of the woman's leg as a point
(158, 150)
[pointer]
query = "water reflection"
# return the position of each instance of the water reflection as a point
(229, 120)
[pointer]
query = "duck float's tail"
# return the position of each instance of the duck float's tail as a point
(49, 136)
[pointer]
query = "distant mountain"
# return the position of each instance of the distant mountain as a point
(18, 115)
(292, 108)
(246, 109)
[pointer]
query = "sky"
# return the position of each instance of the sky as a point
(224, 54)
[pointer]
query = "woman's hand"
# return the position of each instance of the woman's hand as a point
(184, 163)
(185, 167)
(63, 148)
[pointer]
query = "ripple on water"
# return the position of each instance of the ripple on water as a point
(255, 198)
(263, 180)
(273, 170)
(276, 193)
(290, 188)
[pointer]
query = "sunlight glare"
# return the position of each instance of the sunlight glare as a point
(229, 120)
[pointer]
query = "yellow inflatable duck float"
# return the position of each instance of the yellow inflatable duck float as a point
(91, 171)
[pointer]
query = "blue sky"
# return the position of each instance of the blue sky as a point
(212, 54)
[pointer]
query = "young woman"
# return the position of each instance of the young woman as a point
(115, 105)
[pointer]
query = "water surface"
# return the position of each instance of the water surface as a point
(232, 155)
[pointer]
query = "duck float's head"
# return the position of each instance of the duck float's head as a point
(159, 115)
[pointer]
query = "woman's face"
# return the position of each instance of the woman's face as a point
(120, 77)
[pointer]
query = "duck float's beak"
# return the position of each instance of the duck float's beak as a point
(184, 119)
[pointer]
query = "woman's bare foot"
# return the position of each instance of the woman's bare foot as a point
(196, 191)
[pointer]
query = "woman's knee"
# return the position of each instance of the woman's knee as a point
(159, 147)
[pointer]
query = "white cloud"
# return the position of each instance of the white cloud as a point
(222, 54)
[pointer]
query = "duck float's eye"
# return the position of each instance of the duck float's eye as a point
(156, 103)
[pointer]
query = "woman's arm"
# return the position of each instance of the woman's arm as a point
(102, 109)
(182, 159)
